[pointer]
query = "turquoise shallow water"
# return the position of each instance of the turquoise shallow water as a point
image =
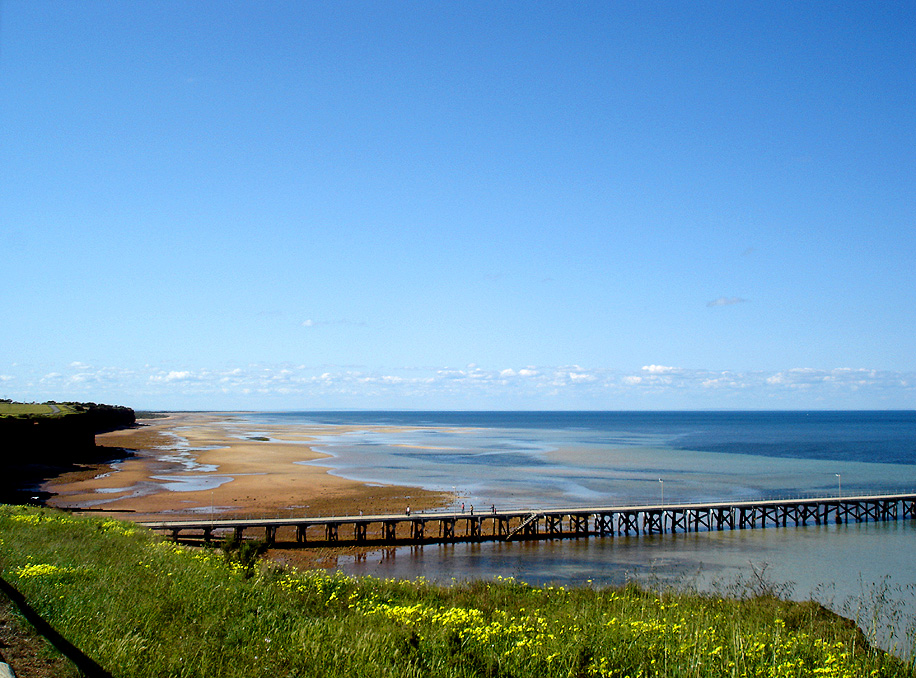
(536, 459)
(563, 459)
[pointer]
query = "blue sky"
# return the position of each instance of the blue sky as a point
(474, 205)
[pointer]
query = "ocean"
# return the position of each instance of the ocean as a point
(559, 459)
(546, 459)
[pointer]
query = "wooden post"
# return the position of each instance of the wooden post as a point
(678, 519)
(909, 508)
(629, 521)
(503, 526)
(578, 523)
(653, 521)
(391, 530)
(447, 528)
(474, 527)
(724, 516)
(604, 524)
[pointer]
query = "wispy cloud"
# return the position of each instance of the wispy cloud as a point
(474, 378)
(659, 369)
(173, 375)
(327, 323)
(726, 301)
(654, 386)
(79, 378)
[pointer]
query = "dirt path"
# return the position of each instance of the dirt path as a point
(27, 652)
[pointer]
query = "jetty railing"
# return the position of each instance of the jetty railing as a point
(552, 523)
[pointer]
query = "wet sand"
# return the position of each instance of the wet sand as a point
(193, 464)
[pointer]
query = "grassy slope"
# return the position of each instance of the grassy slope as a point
(50, 409)
(24, 410)
(144, 607)
(34, 409)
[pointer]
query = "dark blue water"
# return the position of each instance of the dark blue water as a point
(544, 459)
(867, 436)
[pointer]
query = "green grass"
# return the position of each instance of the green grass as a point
(10, 409)
(24, 410)
(144, 607)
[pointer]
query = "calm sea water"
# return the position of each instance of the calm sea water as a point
(548, 459)
(540, 459)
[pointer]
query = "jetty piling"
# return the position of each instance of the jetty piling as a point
(559, 523)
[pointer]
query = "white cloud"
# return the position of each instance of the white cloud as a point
(174, 375)
(658, 369)
(287, 386)
(344, 322)
(723, 381)
(839, 378)
(726, 301)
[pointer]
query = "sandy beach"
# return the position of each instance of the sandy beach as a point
(193, 464)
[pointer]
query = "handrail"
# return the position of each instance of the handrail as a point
(522, 512)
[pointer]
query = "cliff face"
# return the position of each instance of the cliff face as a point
(34, 448)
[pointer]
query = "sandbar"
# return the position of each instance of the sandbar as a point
(189, 465)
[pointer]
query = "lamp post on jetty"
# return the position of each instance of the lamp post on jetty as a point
(839, 485)
(663, 490)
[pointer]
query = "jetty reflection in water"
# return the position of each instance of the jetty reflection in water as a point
(551, 459)
(845, 567)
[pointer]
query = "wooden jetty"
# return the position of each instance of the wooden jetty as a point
(560, 523)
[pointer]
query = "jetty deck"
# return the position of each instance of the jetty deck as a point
(442, 527)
